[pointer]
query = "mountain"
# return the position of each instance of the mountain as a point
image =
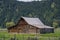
(12, 10)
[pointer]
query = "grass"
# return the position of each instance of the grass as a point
(55, 34)
(24, 36)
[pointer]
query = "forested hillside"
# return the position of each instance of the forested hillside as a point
(47, 11)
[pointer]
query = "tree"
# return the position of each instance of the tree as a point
(55, 24)
(8, 24)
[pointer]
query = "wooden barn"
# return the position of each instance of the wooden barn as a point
(30, 25)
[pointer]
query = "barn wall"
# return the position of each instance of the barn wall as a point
(23, 27)
(28, 29)
(13, 30)
(46, 30)
(32, 29)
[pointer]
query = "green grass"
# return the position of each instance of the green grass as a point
(24, 36)
(55, 34)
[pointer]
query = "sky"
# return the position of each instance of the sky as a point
(27, 0)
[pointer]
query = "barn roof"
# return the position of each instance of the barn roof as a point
(35, 22)
(44, 26)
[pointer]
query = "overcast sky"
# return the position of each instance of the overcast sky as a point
(27, 0)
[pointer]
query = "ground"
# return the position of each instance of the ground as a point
(6, 35)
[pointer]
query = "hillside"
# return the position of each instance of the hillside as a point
(47, 11)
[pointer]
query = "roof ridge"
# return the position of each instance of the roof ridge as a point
(28, 17)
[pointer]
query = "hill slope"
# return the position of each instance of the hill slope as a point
(12, 10)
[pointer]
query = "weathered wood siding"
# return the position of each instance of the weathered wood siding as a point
(46, 30)
(24, 27)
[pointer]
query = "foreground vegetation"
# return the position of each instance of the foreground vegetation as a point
(55, 34)
(6, 36)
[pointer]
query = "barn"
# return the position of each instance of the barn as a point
(30, 25)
